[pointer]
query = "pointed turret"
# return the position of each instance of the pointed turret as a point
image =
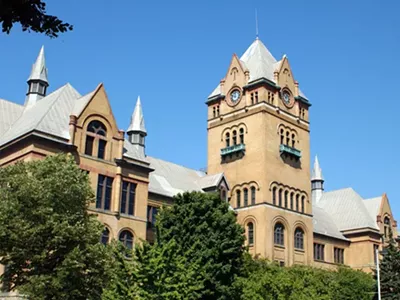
(37, 81)
(137, 131)
(317, 182)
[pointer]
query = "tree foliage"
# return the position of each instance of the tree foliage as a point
(32, 16)
(390, 271)
(48, 240)
(265, 280)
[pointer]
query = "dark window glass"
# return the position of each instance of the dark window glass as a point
(89, 145)
(279, 235)
(102, 149)
(152, 212)
(97, 128)
(128, 198)
(280, 198)
(105, 236)
(250, 233)
(286, 199)
(319, 252)
(274, 196)
(302, 204)
(297, 202)
(291, 201)
(299, 239)
(338, 254)
(234, 138)
(238, 199)
(227, 139)
(282, 136)
(246, 197)
(104, 192)
(253, 195)
(241, 135)
(126, 238)
(293, 141)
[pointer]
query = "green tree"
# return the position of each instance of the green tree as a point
(197, 254)
(390, 271)
(353, 284)
(48, 240)
(32, 16)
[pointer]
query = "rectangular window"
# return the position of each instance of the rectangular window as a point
(152, 215)
(319, 252)
(102, 149)
(246, 197)
(104, 192)
(237, 198)
(128, 198)
(338, 255)
(89, 145)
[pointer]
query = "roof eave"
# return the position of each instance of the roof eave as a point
(303, 100)
(214, 98)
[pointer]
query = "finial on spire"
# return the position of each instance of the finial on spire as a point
(137, 119)
(256, 25)
(317, 171)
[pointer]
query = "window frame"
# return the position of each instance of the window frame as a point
(250, 233)
(319, 252)
(299, 239)
(128, 243)
(253, 195)
(238, 199)
(98, 137)
(279, 234)
(104, 192)
(128, 198)
(338, 255)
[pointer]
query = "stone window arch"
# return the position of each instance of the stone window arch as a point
(96, 135)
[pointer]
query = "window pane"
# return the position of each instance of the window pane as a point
(102, 149)
(123, 196)
(126, 238)
(246, 197)
(99, 196)
(253, 195)
(154, 216)
(89, 145)
(250, 232)
(107, 202)
(131, 207)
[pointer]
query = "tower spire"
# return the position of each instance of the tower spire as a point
(317, 182)
(37, 81)
(137, 131)
(256, 25)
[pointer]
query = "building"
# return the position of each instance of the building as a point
(258, 159)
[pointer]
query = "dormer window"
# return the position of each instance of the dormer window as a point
(96, 135)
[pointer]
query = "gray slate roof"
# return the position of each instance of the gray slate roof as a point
(259, 62)
(50, 115)
(347, 209)
(169, 179)
(373, 206)
(323, 224)
(9, 113)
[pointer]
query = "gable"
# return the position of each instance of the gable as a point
(235, 75)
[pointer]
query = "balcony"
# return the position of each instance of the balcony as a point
(284, 149)
(233, 149)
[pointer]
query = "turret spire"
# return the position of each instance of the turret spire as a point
(137, 119)
(37, 81)
(317, 182)
(137, 131)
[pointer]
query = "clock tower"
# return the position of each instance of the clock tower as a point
(258, 135)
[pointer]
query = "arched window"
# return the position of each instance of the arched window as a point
(299, 238)
(280, 198)
(274, 195)
(297, 202)
(238, 198)
(286, 199)
(253, 195)
(234, 138)
(293, 141)
(287, 138)
(250, 233)
(126, 238)
(386, 225)
(291, 200)
(228, 139)
(282, 136)
(246, 197)
(218, 110)
(302, 204)
(214, 112)
(96, 134)
(241, 135)
(279, 234)
(105, 236)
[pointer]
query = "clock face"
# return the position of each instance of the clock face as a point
(286, 98)
(235, 96)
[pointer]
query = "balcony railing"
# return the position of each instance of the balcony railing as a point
(289, 150)
(233, 149)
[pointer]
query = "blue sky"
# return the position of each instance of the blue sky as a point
(173, 53)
